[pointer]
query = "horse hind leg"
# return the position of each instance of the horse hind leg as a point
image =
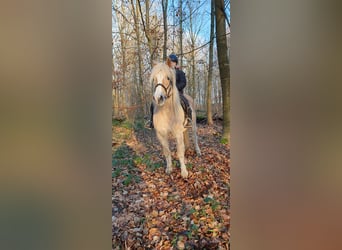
(166, 150)
(180, 153)
(194, 134)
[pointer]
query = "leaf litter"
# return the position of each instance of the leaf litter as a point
(153, 210)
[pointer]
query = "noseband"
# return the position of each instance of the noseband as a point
(167, 90)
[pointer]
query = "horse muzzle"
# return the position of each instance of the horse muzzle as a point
(160, 100)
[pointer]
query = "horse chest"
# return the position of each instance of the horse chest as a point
(165, 120)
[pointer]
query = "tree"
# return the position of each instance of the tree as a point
(146, 27)
(139, 38)
(222, 53)
(210, 70)
(181, 32)
(194, 23)
(140, 89)
(164, 6)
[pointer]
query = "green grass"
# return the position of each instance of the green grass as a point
(139, 125)
(129, 178)
(224, 141)
(116, 172)
(155, 166)
(123, 162)
(122, 123)
(176, 215)
(146, 160)
(176, 163)
(124, 165)
(136, 125)
(202, 212)
(213, 203)
(174, 241)
(191, 211)
(116, 123)
(122, 152)
(193, 231)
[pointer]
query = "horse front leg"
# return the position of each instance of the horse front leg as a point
(166, 150)
(180, 153)
(186, 139)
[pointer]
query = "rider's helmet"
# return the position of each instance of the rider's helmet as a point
(173, 58)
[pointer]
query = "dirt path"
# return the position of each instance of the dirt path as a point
(152, 210)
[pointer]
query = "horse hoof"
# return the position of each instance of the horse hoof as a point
(184, 174)
(168, 170)
(198, 153)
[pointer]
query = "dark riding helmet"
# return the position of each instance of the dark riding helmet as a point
(173, 58)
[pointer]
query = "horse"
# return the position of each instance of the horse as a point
(169, 115)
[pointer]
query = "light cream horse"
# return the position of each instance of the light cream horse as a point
(169, 115)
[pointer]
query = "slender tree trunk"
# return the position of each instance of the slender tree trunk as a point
(173, 23)
(146, 26)
(193, 72)
(164, 6)
(141, 92)
(148, 34)
(181, 32)
(123, 61)
(210, 71)
(193, 63)
(222, 53)
(115, 94)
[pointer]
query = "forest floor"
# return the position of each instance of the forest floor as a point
(153, 210)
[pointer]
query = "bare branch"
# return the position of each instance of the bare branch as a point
(118, 11)
(143, 22)
(203, 45)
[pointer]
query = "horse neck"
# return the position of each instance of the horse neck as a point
(177, 107)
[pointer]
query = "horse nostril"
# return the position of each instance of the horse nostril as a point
(161, 98)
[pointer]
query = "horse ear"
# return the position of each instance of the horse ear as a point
(168, 62)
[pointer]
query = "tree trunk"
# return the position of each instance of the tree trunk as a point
(222, 53)
(193, 81)
(181, 32)
(147, 29)
(193, 59)
(210, 70)
(164, 6)
(123, 61)
(141, 91)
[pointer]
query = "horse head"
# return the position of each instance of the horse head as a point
(163, 78)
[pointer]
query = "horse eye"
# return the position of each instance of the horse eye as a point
(168, 78)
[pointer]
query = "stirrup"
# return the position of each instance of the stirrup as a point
(188, 123)
(149, 124)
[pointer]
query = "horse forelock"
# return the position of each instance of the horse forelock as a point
(163, 70)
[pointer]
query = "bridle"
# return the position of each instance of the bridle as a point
(168, 89)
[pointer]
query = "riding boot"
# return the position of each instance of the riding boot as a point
(149, 124)
(188, 112)
(189, 117)
(151, 110)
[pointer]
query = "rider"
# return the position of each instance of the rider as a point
(180, 83)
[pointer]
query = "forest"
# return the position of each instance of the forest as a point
(152, 210)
